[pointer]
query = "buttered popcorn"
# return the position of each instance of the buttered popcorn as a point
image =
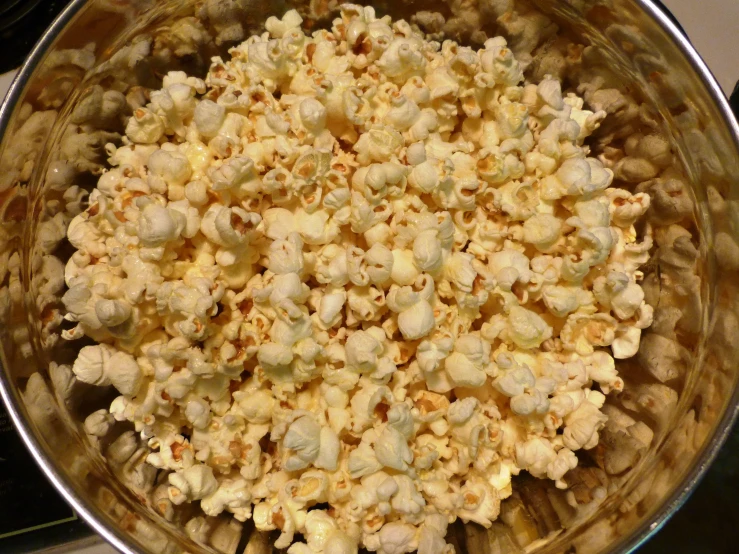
(353, 282)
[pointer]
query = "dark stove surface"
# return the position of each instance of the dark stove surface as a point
(22, 22)
(32, 514)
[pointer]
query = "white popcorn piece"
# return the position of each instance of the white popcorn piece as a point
(582, 333)
(481, 502)
(171, 167)
(278, 28)
(428, 254)
(104, 365)
(362, 461)
(542, 230)
(602, 369)
(285, 256)
(230, 227)
(340, 543)
(112, 312)
(564, 300)
(391, 450)
(468, 364)
(159, 225)
(535, 455)
(232, 495)
(415, 314)
(397, 538)
(145, 127)
(194, 483)
(526, 328)
(556, 470)
(99, 423)
(208, 117)
(617, 292)
(577, 177)
(379, 260)
(303, 438)
(404, 271)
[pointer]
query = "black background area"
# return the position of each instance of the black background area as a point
(27, 499)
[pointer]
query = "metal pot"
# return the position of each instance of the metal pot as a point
(680, 398)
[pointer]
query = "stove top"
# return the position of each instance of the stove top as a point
(32, 515)
(21, 24)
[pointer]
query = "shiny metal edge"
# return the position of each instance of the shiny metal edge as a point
(118, 541)
(60, 483)
(731, 414)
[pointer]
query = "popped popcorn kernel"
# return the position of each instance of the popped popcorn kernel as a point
(364, 268)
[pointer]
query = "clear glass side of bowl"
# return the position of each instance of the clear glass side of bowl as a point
(684, 396)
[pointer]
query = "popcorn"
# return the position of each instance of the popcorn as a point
(144, 127)
(379, 260)
(112, 313)
(535, 455)
(328, 453)
(363, 461)
(542, 230)
(103, 365)
(507, 260)
(404, 271)
(468, 364)
(302, 437)
(428, 254)
(232, 495)
(391, 450)
(562, 301)
(582, 333)
(582, 425)
(617, 292)
(396, 538)
(192, 484)
(360, 268)
(171, 167)
(415, 314)
(99, 423)
(158, 225)
(285, 256)
(526, 329)
(208, 117)
(230, 227)
(481, 502)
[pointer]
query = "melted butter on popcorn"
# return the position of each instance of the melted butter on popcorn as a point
(363, 268)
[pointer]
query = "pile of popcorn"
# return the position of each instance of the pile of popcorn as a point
(354, 281)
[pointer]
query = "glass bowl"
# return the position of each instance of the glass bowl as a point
(680, 395)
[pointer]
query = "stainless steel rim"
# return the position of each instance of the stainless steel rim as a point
(704, 461)
(9, 396)
(120, 541)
